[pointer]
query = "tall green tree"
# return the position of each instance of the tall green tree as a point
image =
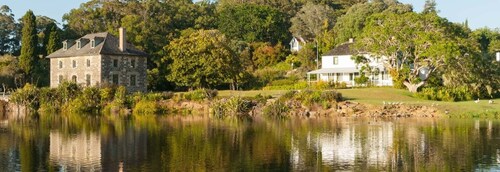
(352, 23)
(430, 6)
(413, 46)
(28, 58)
(203, 59)
(9, 42)
(312, 20)
(51, 41)
(254, 23)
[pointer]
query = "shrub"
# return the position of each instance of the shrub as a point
(107, 94)
(262, 99)
(310, 97)
(200, 94)
(321, 85)
(446, 94)
(331, 96)
(231, 106)
(282, 82)
(276, 109)
(120, 97)
(50, 101)
(68, 91)
(144, 107)
(289, 95)
(27, 96)
(296, 86)
(87, 102)
(338, 85)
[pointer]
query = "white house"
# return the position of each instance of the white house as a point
(337, 66)
(297, 43)
(498, 56)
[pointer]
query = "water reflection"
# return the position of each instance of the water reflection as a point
(151, 143)
(80, 152)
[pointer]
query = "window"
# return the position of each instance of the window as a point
(73, 78)
(87, 79)
(132, 80)
(351, 76)
(78, 44)
(88, 62)
(335, 60)
(61, 79)
(385, 75)
(115, 62)
(114, 79)
(92, 43)
(74, 63)
(132, 63)
(65, 45)
(337, 77)
(60, 64)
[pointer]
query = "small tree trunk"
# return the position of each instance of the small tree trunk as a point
(413, 87)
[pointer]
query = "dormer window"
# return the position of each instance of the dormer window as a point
(78, 44)
(67, 44)
(92, 43)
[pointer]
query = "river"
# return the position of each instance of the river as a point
(191, 143)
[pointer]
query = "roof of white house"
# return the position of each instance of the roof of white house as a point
(343, 49)
(334, 70)
(341, 70)
(108, 44)
(299, 39)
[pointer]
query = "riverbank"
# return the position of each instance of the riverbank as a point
(374, 98)
(356, 102)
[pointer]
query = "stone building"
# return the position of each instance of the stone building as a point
(100, 58)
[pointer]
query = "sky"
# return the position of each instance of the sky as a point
(479, 13)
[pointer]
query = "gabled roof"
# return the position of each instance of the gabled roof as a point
(108, 46)
(343, 49)
(299, 39)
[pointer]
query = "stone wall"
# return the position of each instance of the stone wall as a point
(80, 70)
(124, 70)
(101, 69)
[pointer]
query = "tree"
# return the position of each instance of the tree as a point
(253, 23)
(53, 41)
(413, 46)
(8, 28)
(151, 25)
(9, 72)
(202, 59)
(352, 23)
(430, 6)
(311, 20)
(28, 58)
(267, 55)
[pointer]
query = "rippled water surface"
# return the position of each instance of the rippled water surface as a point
(149, 143)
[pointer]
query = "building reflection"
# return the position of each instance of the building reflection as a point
(349, 146)
(90, 152)
(80, 152)
(125, 151)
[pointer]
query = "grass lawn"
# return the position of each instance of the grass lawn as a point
(377, 96)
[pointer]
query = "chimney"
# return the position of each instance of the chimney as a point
(351, 40)
(123, 40)
(498, 56)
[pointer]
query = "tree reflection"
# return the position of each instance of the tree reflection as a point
(196, 143)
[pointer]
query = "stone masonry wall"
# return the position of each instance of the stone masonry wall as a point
(80, 70)
(125, 70)
(101, 69)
